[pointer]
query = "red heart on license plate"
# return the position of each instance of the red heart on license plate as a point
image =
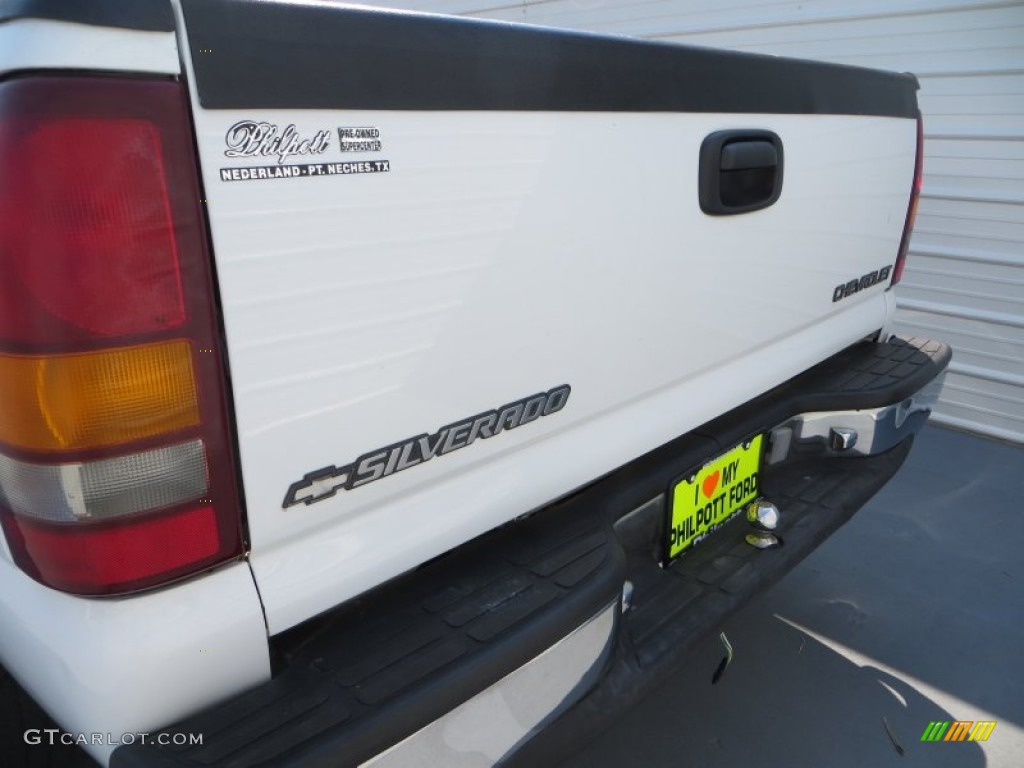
(711, 482)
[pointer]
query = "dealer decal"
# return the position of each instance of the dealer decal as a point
(303, 170)
(383, 462)
(251, 139)
(359, 140)
(248, 138)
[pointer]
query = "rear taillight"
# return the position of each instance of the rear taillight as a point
(915, 194)
(116, 464)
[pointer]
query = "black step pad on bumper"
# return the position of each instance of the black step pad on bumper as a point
(865, 375)
(380, 667)
(393, 660)
(676, 608)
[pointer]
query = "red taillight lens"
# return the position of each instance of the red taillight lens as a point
(121, 277)
(915, 194)
(66, 557)
(116, 463)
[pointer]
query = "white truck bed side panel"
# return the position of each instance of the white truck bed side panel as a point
(165, 653)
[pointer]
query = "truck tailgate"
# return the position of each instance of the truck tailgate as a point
(464, 268)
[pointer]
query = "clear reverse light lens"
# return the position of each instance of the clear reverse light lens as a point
(106, 488)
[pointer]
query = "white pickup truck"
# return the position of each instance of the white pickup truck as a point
(396, 389)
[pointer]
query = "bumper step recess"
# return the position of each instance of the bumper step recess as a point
(381, 667)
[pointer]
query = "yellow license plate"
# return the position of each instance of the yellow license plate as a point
(702, 503)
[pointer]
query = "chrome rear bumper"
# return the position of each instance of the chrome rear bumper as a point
(866, 432)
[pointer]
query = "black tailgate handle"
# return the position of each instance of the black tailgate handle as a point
(740, 171)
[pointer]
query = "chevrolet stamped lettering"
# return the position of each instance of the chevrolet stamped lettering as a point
(382, 462)
(856, 286)
(249, 138)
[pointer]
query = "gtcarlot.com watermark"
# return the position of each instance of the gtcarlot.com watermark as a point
(53, 736)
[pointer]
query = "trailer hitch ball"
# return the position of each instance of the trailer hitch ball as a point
(763, 515)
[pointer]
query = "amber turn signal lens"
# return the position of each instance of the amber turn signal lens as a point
(96, 399)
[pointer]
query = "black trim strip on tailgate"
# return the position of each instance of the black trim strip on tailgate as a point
(145, 15)
(277, 55)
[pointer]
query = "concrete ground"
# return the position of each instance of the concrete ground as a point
(912, 612)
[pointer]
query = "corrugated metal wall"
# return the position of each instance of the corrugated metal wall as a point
(965, 277)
